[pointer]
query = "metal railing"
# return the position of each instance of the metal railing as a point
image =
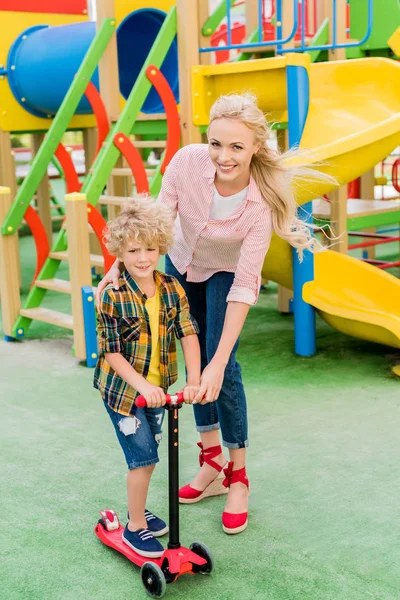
(280, 42)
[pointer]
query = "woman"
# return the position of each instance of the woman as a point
(228, 196)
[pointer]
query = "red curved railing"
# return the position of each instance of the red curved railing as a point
(395, 175)
(168, 99)
(72, 182)
(97, 222)
(39, 234)
(134, 160)
(100, 113)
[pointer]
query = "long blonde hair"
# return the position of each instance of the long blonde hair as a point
(274, 178)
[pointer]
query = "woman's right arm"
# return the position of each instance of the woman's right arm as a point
(111, 276)
(168, 194)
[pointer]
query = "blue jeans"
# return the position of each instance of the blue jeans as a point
(208, 306)
(139, 435)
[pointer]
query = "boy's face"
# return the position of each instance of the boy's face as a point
(140, 260)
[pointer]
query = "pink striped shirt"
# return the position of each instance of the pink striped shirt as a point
(202, 247)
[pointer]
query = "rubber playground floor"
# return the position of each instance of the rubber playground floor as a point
(323, 465)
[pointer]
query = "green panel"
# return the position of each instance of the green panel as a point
(106, 160)
(253, 38)
(386, 18)
(58, 127)
(155, 183)
(321, 38)
(153, 127)
(373, 220)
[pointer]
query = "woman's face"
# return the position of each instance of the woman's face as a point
(231, 145)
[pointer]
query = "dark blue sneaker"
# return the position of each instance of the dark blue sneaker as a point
(157, 526)
(143, 542)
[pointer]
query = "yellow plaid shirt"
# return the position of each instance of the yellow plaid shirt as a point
(123, 326)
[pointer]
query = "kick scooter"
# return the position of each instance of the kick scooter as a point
(177, 559)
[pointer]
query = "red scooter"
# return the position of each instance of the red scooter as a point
(177, 559)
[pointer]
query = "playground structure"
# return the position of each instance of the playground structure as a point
(345, 112)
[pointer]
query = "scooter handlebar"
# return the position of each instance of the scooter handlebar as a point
(177, 398)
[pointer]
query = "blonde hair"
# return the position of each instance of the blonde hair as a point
(273, 176)
(143, 220)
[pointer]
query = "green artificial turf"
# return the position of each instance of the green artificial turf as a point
(322, 462)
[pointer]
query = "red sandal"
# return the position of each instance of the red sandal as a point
(232, 523)
(188, 494)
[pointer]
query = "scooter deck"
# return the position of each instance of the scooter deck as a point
(180, 560)
(113, 539)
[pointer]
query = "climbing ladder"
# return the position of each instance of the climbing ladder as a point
(116, 143)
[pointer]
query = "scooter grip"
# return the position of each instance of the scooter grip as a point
(141, 402)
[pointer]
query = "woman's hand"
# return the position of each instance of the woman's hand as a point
(111, 277)
(211, 383)
(189, 393)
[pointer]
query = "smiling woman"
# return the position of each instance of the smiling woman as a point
(229, 196)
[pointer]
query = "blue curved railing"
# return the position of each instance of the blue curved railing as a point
(279, 42)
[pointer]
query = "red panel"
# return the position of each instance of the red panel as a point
(40, 236)
(167, 98)
(65, 7)
(100, 113)
(134, 160)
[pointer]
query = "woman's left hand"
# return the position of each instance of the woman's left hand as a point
(211, 383)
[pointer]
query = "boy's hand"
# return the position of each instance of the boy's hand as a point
(189, 393)
(154, 395)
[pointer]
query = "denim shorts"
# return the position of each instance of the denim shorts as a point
(139, 436)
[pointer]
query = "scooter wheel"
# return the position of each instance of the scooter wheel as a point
(153, 580)
(202, 550)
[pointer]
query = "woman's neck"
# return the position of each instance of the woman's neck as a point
(229, 188)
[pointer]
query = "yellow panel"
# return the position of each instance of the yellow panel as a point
(125, 7)
(12, 116)
(394, 42)
(353, 123)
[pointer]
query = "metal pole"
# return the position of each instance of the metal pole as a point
(304, 314)
(173, 476)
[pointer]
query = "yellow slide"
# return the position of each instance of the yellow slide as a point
(353, 123)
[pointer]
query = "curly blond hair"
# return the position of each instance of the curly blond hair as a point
(143, 220)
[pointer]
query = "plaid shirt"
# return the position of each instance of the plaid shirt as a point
(123, 326)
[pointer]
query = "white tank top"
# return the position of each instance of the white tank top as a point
(223, 207)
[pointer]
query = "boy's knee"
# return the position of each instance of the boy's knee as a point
(129, 425)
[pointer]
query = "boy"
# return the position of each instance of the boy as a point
(137, 324)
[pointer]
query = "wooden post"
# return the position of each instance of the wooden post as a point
(338, 199)
(367, 192)
(7, 166)
(284, 294)
(8, 178)
(251, 14)
(79, 263)
(9, 268)
(287, 21)
(43, 192)
(188, 57)
(89, 145)
(108, 65)
(340, 53)
(204, 11)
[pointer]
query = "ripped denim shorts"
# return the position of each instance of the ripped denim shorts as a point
(139, 435)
